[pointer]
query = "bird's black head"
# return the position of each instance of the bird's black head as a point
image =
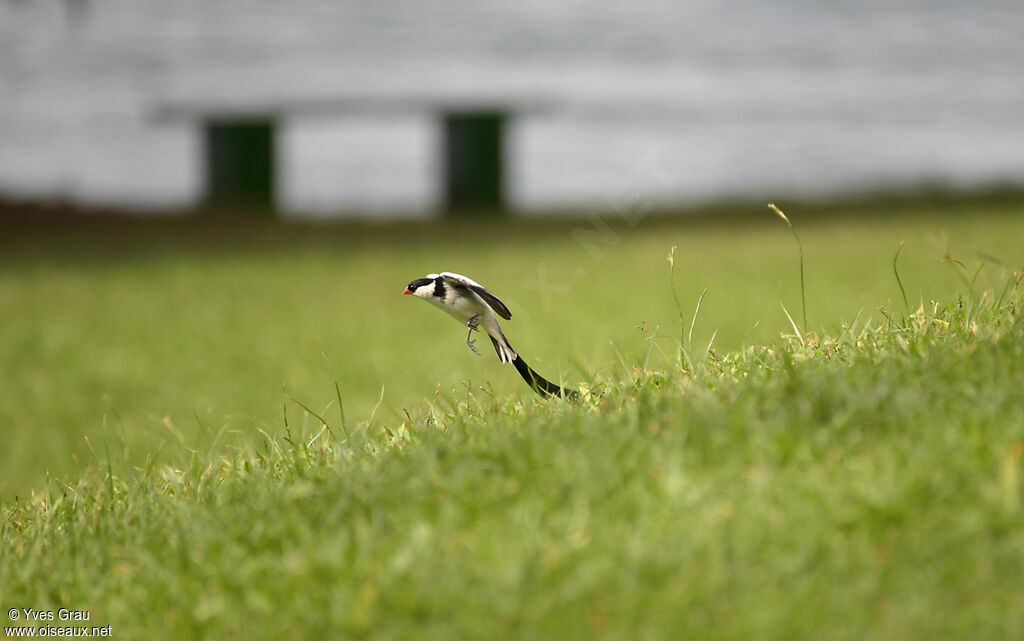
(416, 284)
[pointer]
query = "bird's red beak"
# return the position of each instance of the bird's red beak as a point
(406, 291)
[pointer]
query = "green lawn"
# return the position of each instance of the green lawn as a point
(864, 485)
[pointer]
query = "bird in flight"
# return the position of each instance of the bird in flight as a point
(470, 303)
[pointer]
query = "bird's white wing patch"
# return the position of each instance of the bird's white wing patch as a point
(489, 298)
(465, 281)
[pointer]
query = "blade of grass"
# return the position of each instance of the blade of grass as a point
(647, 352)
(199, 421)
(110, 464)
(622, 361)
(271, 441)
(800, 247)
(953, 264)
(689, 336)
(974, 279)
(1015, 282)
(318, 435)
(337, 392)
(903, 292)
(322, 420)
(675, 297)
(710, 343)
(375, 407)
(796, 329)
(341, 408)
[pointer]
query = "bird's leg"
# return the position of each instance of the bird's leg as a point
(473, 326)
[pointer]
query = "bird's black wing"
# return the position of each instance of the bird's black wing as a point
(459, 280)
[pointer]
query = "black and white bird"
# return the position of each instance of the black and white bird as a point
(471, 304)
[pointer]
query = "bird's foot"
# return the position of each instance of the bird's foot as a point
(473, 326)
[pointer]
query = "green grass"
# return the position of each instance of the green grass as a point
(149, 324)
(860, 481)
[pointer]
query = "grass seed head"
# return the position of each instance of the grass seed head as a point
(780, 213)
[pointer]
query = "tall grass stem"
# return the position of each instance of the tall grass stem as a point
(683, 356)
(800, 247)
(903, 292)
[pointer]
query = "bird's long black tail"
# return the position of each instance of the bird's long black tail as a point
(537, 383)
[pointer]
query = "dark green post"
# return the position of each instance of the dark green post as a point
(474, 160)
(240, 163)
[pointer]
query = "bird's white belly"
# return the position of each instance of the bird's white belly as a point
(465, 308)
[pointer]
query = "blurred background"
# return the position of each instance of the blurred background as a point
(110, 103)
(208, 210)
